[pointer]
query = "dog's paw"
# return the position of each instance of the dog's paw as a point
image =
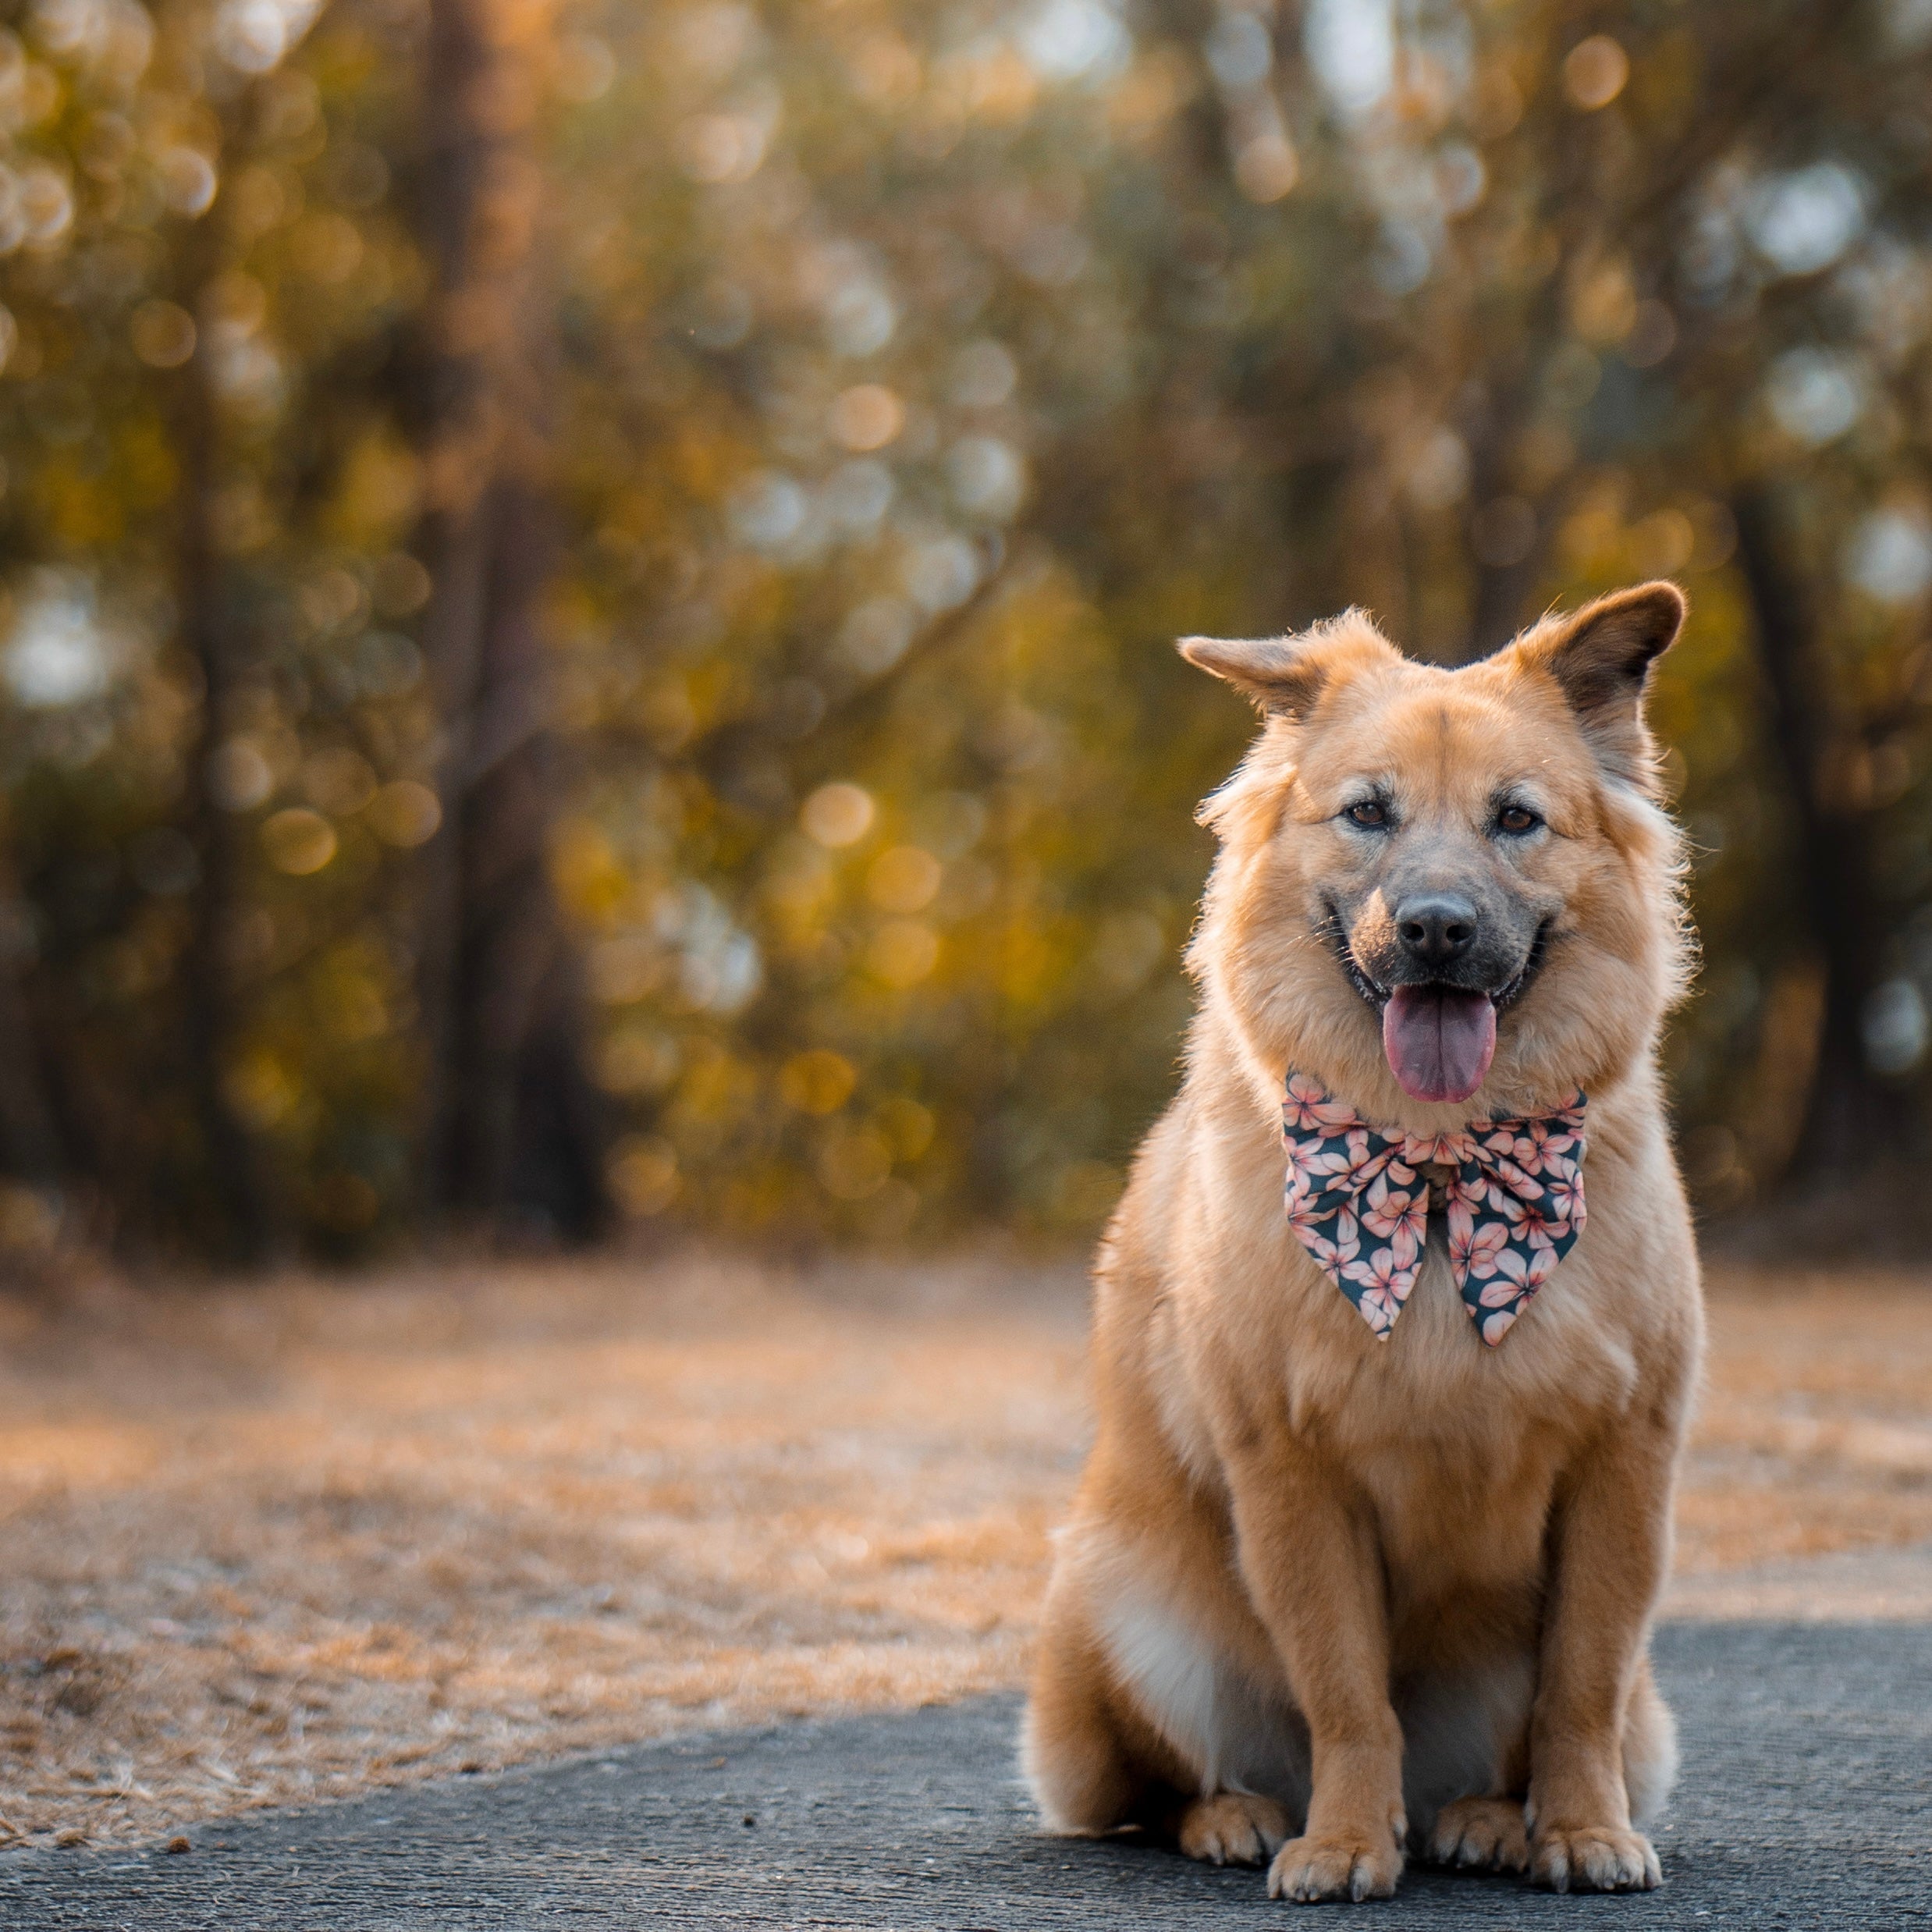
(1594, 1858)
(1232, 1828)
(1487, 1834)
(1307, 1870)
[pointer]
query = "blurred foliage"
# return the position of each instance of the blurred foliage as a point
(910, 377)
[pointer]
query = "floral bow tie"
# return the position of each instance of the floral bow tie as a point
(1356, 1204)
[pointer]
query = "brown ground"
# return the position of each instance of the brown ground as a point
(276, 1543)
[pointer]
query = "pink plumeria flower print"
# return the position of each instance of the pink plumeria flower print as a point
(1473, 1257)
(1541, 1145)
(1324, 1158)
(1566, 1198)
(1380, 1270)
(1540, 1230)
(1305, 1216)
(1308, 1165)
(1513, 1200)
(1515, 1181)
(1442, 1150)
(1308, 1108)
(1379, 1314)
(1390, 1209)
(1380, 1308)
(1362, 1161)
(1528, 1268)
(1335, 1252)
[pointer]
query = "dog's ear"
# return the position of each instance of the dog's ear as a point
(1285, 677)
(1280, 676)
(1601, 659)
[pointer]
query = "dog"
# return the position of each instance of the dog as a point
(1364, 1558)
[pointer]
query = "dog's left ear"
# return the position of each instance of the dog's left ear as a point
(1601, 659)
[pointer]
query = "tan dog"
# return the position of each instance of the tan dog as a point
(1385, 1592)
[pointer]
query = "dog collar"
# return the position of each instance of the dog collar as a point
(1513, 1191)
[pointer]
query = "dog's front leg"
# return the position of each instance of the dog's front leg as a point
(1312, 1570)
(1610, 1544)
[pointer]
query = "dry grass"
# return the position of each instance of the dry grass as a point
(1814, 1438)
(274, 1544)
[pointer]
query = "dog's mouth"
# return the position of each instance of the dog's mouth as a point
(1439, 1037)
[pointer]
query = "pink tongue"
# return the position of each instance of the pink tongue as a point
(1440, 1042)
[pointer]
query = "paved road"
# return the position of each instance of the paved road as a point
(1806, 1801)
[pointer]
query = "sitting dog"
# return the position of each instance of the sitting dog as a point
(1398, 1324)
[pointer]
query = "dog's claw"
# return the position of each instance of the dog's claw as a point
(1481, 1833)
(1307, 1870)
(1594, 1858)
(1233, 1828)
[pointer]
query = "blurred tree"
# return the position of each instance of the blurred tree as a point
(212, 629)
(509, 500)
(1853, 1115)
(509, 1119)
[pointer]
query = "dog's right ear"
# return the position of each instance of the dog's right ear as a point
(1280, 676)
(1285, 677)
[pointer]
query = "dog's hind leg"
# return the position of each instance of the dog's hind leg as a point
(1233, 1827)
(1096, 1765)
(1092, 1763)
(1650, 1744)
(1487, 1832)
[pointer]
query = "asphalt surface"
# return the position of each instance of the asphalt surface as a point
(1805, 1800)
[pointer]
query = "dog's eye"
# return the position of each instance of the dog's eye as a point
(1516, 819)
(1369, 811)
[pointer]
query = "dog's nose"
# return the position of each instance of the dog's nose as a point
(1436, 928)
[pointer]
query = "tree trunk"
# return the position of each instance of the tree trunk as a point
(501, 1001)
(209, 623)
(30, 1148)
(1850, 1110)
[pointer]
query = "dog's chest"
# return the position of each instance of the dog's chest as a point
(1461, 1508)
(1458, 1446)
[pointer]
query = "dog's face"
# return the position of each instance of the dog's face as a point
(1436, 885)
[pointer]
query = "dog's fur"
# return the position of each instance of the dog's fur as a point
(1325, 1598)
